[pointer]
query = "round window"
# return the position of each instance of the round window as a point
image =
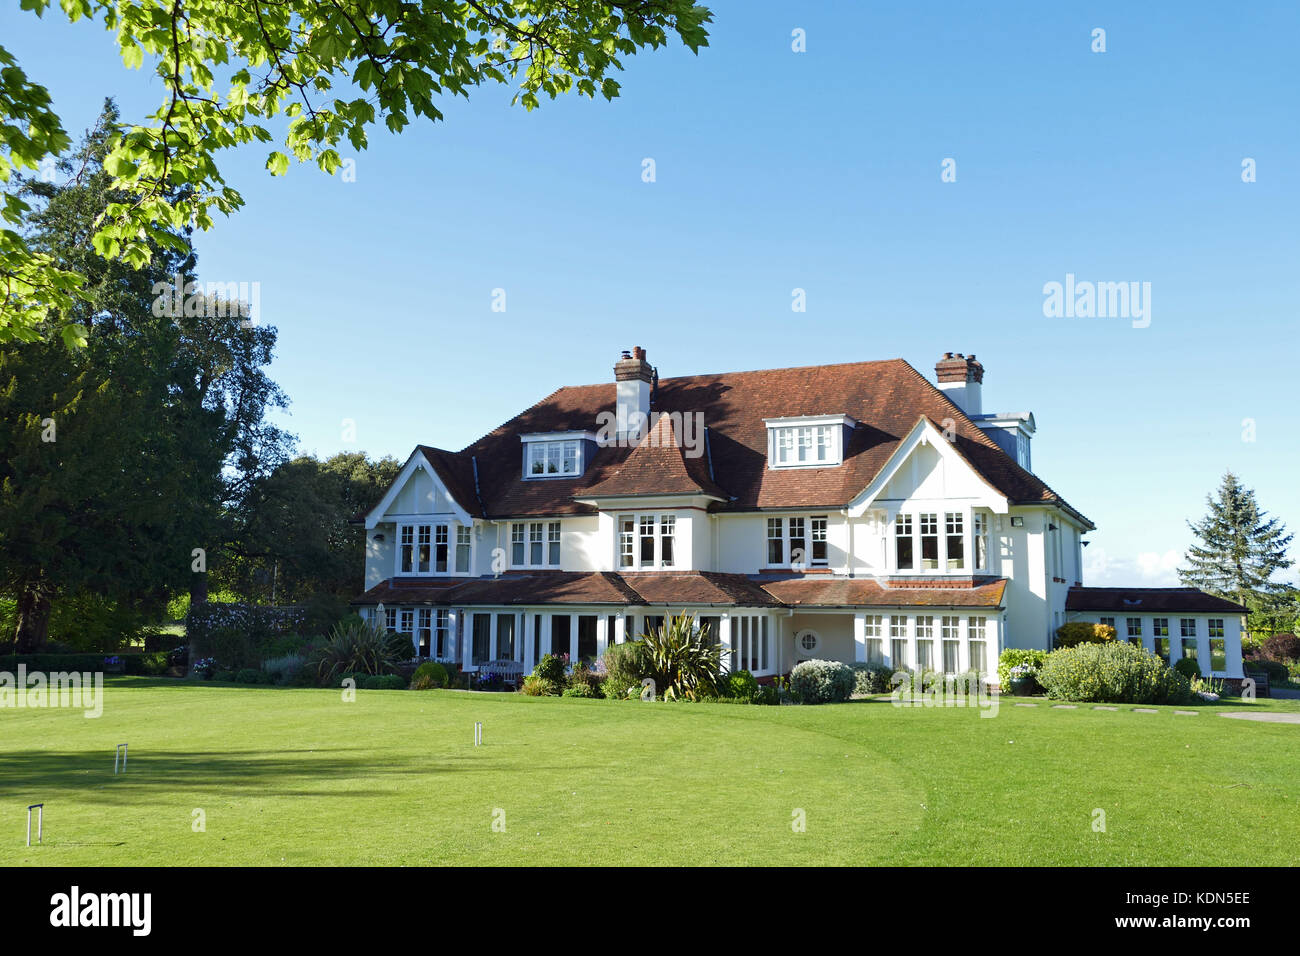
(808, 641)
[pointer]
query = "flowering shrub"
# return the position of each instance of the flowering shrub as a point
(871, 678)
(1083, 632)
(821, 682)
(1112, 673)
(235, 633)
(1014, 657)
(204, 668)
(1281, 647)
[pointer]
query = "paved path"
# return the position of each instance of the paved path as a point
(1268, 717)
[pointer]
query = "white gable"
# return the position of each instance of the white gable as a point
(417, 492)
(926, 466)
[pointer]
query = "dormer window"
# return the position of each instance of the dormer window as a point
(807, 442)
(560, 455)
(552, 458)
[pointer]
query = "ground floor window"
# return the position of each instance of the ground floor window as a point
(1218, 654)
(442, 633)
(560, 635)
(751, 642)
(587, 625)
(978, 660)
(424, 632)
(481, 643)
(875, 625)
(898, 653)
(505, 637)
(976, 635)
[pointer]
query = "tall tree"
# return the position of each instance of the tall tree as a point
(120, 457)
(230, 70)
(299, 539)
(1239, 547)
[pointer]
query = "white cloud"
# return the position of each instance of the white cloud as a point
(1145, 569)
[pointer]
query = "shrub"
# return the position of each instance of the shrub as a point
(551, 668)
(625, 666)
(401, 647)
(236, 633)
(1115, 672)
(580, 690)
(282, 670)
(1083, 632)
(1276, 670)
(871, 679)
(251, 675)
(1281, 647)
(1016, 657)
(534, 686)
(681, 661)
(583, 676)
(381, 682)
(429, 674)
(741, 687)
(205, 668)
(1187, 667)
(225, 677)
(821, 682)
(360, 647)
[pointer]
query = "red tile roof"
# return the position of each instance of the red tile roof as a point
(865, 592)
(885, 398)
(659, 465)
(1148, 600)
(672, 588)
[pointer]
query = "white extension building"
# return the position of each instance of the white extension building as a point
(855, 512)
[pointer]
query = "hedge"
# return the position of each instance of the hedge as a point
(145, 664)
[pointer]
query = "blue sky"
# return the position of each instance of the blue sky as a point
(818, 170)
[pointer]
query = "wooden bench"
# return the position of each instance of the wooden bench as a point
(1261, 682)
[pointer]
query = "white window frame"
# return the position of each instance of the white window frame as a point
(785, 525)
(907, 525)
(533, 537)
(430, 534)
(813, 441)
(564, 455)
(662, 525)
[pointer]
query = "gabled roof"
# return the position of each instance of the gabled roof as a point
(885, 398)
(1148, 600)
(659, 465)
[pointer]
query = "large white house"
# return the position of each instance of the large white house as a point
(854, 512)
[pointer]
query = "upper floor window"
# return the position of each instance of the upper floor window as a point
(905, 557)
(647, 541)
(956, 541)
(553, 459)
(981, 541)
(929, 541)
(806, 442)
(788, 541)
(535, 544)
(424, 549)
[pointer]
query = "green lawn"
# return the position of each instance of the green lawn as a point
(300, 777)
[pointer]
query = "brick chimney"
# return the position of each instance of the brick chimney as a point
(960, 377)
(633, 377)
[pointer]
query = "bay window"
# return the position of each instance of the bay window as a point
(426, 549)
(976, 634)
(950, 631)
(462, 549)
(981, 529)
(905, 556)
(929, 542)
(553, 543)
(956, 541)
(798, 543)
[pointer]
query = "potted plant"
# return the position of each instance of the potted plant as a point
(1024, 680)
